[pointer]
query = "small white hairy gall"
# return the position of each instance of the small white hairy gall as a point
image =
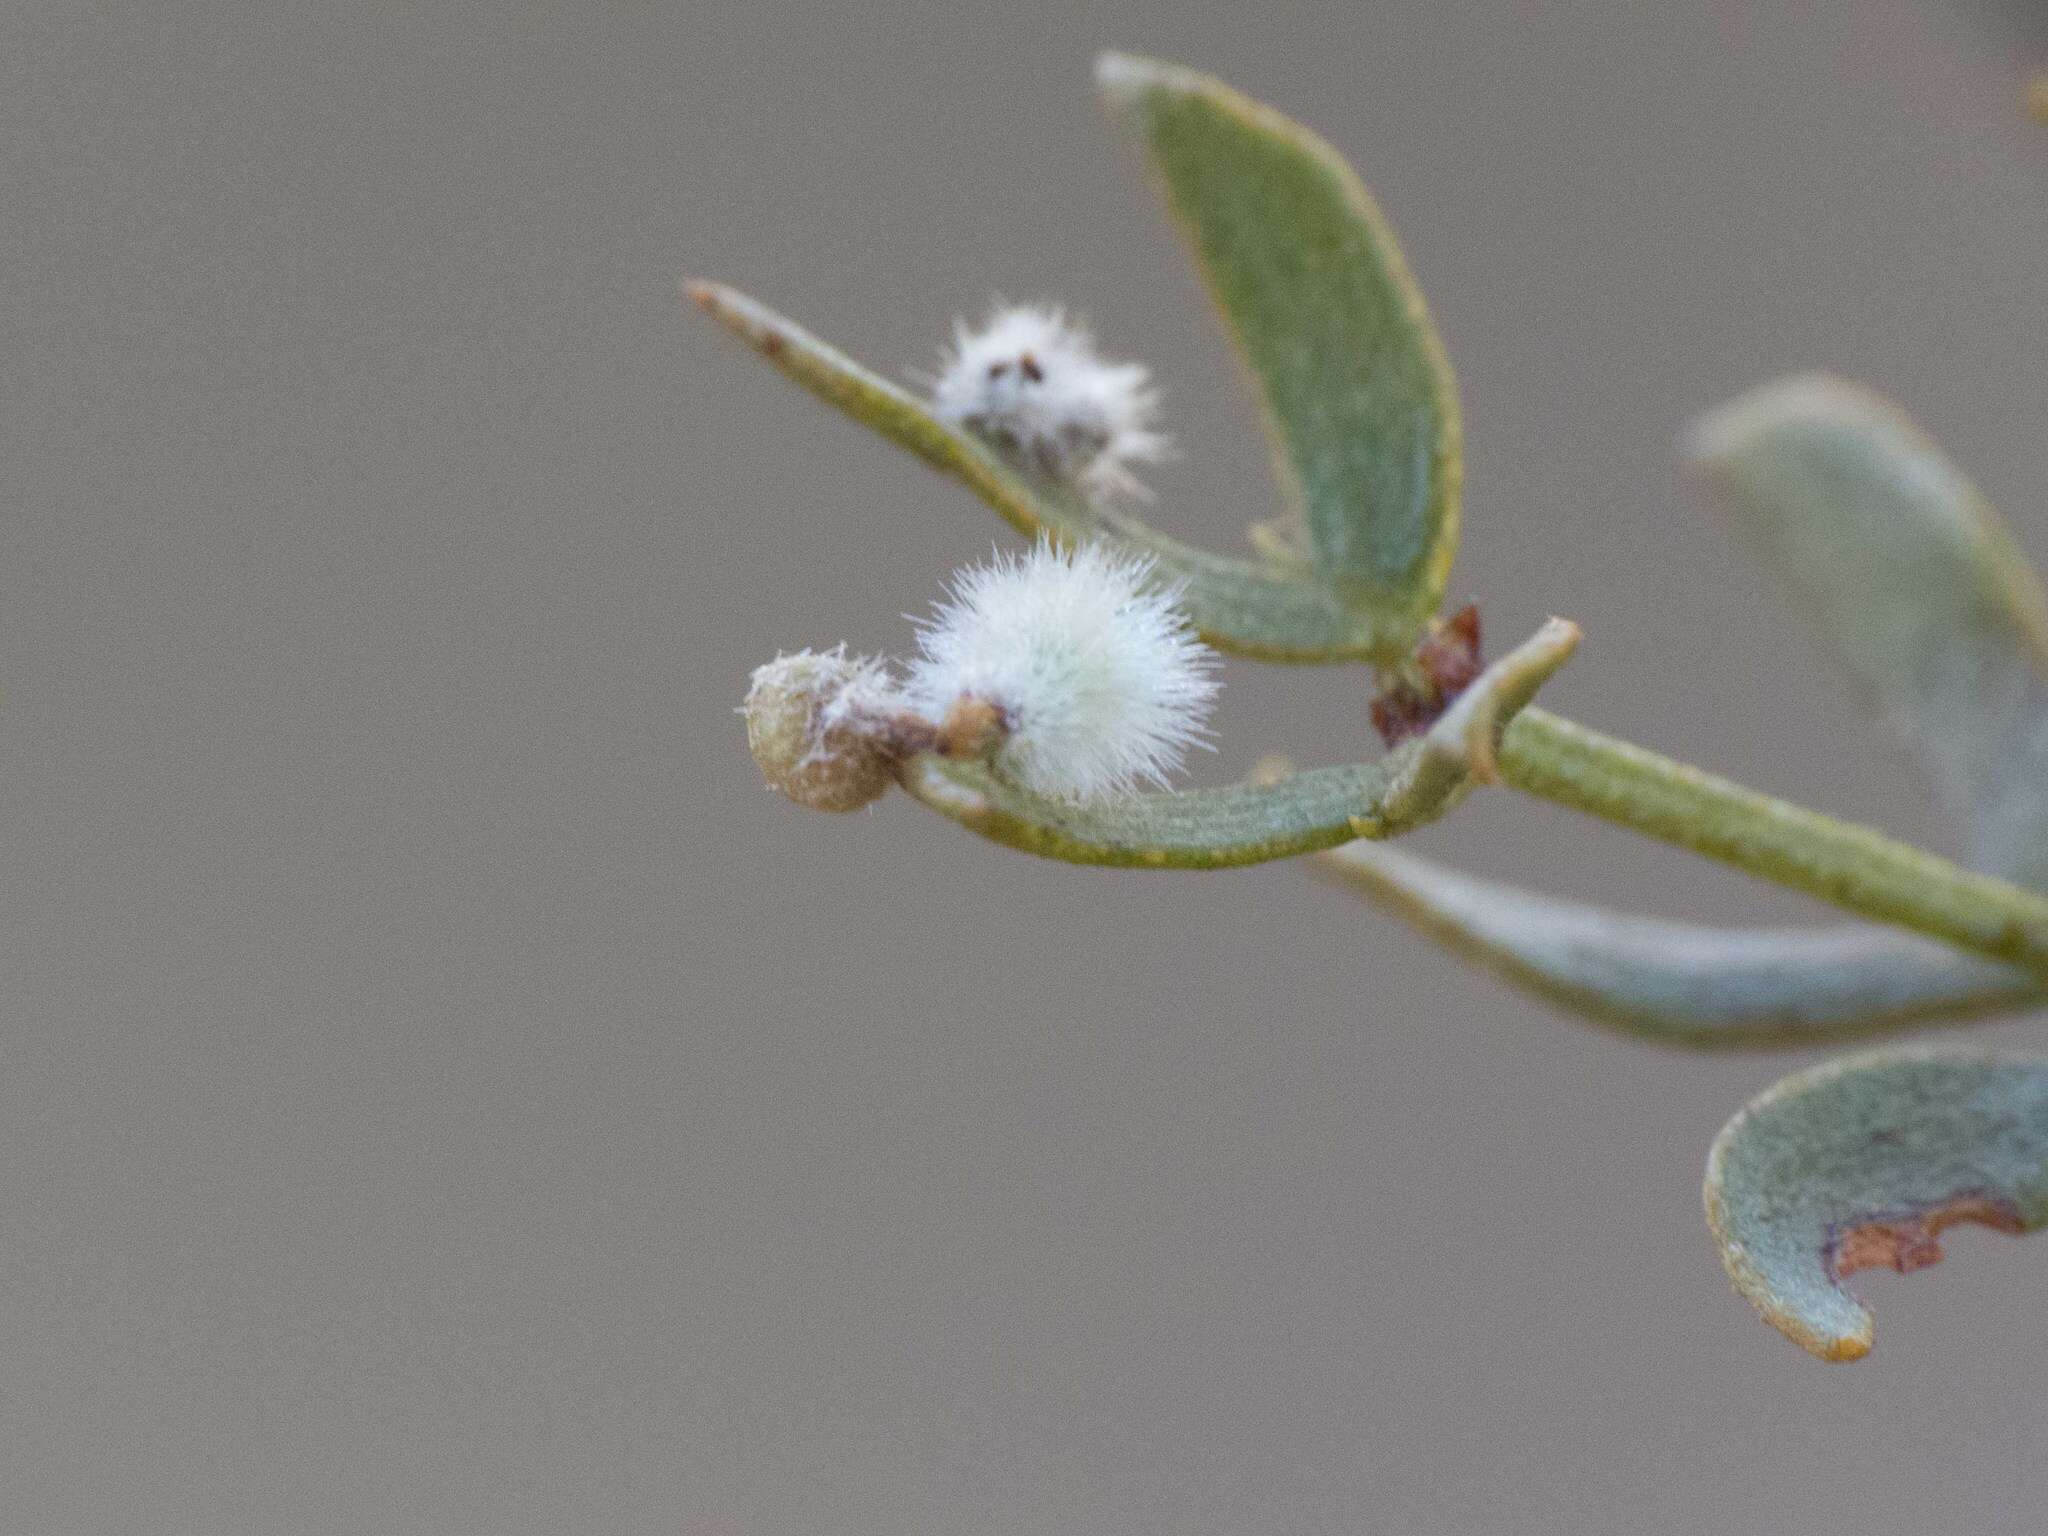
(1029, 384)
(1096, 676)
(818, 725)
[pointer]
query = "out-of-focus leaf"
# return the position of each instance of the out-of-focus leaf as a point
(1919, 583)
(1941, 617)
(1597, 961)
(1680, 983)
(1251, 823)
(1356, 392)
(1254, 608)
(1862, 1162)
(1858, 869)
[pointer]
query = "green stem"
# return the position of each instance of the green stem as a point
(1851, 866)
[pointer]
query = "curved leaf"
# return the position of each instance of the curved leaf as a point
(1919, 584)
(1252, 823)
(1862, 1163)
(1253, 608)
(1173, 829)
(1356, 392)
(1679, 983)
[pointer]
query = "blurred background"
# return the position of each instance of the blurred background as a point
(440, 1091)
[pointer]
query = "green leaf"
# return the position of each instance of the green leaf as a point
(1356, 392)
(1174, 829)
(1775, 985)
(1252, 823)
(1856, 868)
(1680, 983)
(1254, 608)
(1863, 1162)
(1919, 584)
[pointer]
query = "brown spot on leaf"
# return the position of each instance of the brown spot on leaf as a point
(1912, 1240)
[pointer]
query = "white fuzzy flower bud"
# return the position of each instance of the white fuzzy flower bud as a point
(1092, 670)
(1030, 385)
(818, 723)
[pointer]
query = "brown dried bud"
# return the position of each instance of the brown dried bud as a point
(1446, 662)
(820, 726)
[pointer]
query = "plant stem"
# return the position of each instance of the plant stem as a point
(1853, 867)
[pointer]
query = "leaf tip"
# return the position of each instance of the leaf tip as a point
(1835, 1348)
(1123, 77)
(715, 299)
(1849, 1337)
(1125, 80)
(1718, 436)
(728, 306)
(748, 319)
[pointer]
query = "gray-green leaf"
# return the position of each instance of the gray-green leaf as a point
(1942, 619)
(1680, 983)
(1919, 583)
(1356, 391)
(1862, 1162)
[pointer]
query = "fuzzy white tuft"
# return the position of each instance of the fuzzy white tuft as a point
(1099, 680)
(1029, 383)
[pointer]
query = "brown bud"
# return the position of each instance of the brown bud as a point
(1445, 665)
(818, 723)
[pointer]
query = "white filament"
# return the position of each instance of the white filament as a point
(1100, 680)
(1029, 383)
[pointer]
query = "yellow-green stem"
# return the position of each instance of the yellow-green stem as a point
(1853, 867)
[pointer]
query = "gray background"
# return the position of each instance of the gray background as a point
(441, 1092)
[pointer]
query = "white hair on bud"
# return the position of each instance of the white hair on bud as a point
(1029, 383)
(849, 689)
(817, 725)
(1099, 679)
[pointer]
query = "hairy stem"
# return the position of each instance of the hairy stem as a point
(1853, 867)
